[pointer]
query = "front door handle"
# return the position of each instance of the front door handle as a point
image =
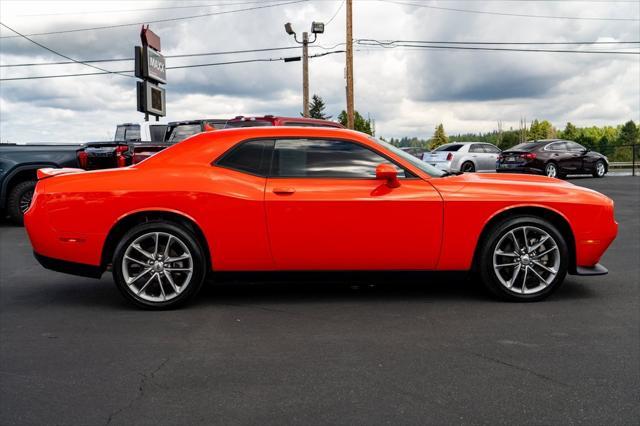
(284, 190)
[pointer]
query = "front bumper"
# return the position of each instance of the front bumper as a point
(597, 269)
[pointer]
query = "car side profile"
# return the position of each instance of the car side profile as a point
(310, 199)
(464, 157)
(554, 158)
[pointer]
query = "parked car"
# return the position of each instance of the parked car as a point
(272, 120)
(18, 167)
(310, 199)
(463, 157)
(131, 149)
(554, 158)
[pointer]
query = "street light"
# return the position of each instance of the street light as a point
(316, 28)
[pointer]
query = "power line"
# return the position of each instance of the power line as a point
(104, 27)
(520, 15)
(186, 55)
(200, 6)
(528, 43)
(246, 61)
(335, 14)
(60, 54)
(387, 45)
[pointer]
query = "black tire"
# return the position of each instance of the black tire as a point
(599, 169)
(488, 274)
(468, 167)
(193, 284)
(19, 198)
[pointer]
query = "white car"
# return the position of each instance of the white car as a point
(464, 157)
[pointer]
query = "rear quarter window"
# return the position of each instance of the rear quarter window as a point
(251, 157)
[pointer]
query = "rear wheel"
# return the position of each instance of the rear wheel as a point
(524, 259)
(552, 170)
(159, 265)
(468, 167)
(19, 200)
(600, 169)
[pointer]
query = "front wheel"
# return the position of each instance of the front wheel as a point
(524, 259)
(600, 169)
(159, 265)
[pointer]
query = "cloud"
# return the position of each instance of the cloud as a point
(407, 91)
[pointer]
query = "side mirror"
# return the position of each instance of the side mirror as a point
(389, 174)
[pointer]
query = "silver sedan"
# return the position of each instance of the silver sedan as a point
(464, 157)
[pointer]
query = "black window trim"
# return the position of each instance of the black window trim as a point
(215, 162)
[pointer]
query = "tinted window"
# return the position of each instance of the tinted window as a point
(491, 149)
(476, 147)
(575, 147)
(247, 123)
(217, 124)
(557, 146)
(250, 157)
(183, 131)
(325, 158)
(449, 147)
(527, 146)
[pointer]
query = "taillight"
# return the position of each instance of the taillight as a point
(83, 159)
(120, 150)
(450, 156)
(528, 156)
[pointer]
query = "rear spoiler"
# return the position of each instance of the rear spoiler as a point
(50, 172)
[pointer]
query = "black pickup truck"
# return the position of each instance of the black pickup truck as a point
(18, 167)
(134, 142)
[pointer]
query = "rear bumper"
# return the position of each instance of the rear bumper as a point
(597, 269)
(66, 267)
(519, 169)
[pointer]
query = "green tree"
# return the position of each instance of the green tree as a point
(629, 134)
(541, 130)
(316, 108)
(439, 137)
(570, 132)
(359, 122)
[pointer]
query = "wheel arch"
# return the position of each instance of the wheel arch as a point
(19, 174)
(543, 212)
(125, 223)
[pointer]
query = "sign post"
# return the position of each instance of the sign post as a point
(150, 66)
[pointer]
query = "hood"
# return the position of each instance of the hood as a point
(534, 188)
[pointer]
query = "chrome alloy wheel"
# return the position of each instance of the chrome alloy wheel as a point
(551, 170)
(600, 168)
(526, 260)
(157, 266)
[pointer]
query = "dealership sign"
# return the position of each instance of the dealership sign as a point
(150, 66)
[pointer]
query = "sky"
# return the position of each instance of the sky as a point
(408, 91)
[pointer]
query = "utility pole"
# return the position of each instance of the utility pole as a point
(305, 74)
(316, 28)
(349, 58)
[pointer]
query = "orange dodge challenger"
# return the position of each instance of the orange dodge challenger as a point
(310, 199)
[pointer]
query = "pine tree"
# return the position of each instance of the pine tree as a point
(316, 108)
(439, 137)
(359, 122)
(629, 133)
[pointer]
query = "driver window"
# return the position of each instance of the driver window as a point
(325, 159)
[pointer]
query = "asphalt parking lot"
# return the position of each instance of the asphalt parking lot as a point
(405, 352)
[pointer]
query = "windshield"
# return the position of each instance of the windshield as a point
(430, 170)
(524, 146)
(450, 147)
